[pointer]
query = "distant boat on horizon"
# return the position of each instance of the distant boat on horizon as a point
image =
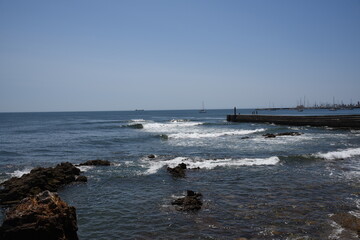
(203, 108)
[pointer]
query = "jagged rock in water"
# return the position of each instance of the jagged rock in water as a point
(136, 126)
(96, 163)
(41, 217)
(269, 135)
(81, 179)
(192, 201)
(289, 134)
(348, 221)
(178, 171)
(38, 180)
(272, 135)
(151, 156)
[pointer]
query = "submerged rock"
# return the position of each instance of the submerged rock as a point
(151, 156)
(178, 171)
(38, 180)
(136, 126)
(164, 137)
(97, 162)
(192, 201)
(289, 134)
(269, 135)
(81, 179)
(273, 135)
(41, 217)
(348, 221)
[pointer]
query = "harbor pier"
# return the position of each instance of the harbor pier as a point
(336, 121)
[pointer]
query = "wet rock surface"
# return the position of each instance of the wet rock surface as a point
(273, 135)
(151, 156)
(41, 217)
(192, 201)
(269, 135)
(81, 179)
(178, 171)
(348, 221)
(289, 134)
(96, 163)
(38, 180)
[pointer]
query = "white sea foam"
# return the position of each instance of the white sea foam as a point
(19, 173)
(339, 154)
(137, 120)
(173, 126)
(185, 129)
(154, 166)
(337, 230)
(213, 134)
(84, 168)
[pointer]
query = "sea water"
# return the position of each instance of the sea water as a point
(286, 187)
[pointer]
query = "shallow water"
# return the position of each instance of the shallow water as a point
(281, 188)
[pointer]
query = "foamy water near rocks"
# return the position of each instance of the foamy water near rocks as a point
(38, 180)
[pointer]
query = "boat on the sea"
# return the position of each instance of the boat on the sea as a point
(203, 108)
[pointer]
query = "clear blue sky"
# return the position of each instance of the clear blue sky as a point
(124, 55)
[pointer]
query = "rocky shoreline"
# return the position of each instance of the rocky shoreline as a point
(35, 211)
(42, 217)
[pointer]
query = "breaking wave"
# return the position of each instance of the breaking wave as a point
(85, 168)
(169, 126)
(213, 135)
(154, 166)
(339, 154)
(186, 129)
(19, 173)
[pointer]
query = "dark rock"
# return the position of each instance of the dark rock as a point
(136, 126)
(81, 179)
(164, 137)
(272, 135)
(178, 171)
(190, 193)
(289, 134)
(182, 165)
(196, 168)
(192, 201)
(151, 156)
(38, 180)
(41, 217)
(269, 135)
(96, 163)
(348, 221)
(245, 137)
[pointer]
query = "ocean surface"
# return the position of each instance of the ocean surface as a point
(286, 187)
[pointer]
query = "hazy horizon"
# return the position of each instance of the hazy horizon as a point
(173, 55)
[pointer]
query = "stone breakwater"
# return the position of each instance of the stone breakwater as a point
(336, 121)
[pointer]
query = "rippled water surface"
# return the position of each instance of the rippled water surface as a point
(281, 188)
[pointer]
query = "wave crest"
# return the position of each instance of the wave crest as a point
(154, 166)
(196, 135)
(350, 152)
